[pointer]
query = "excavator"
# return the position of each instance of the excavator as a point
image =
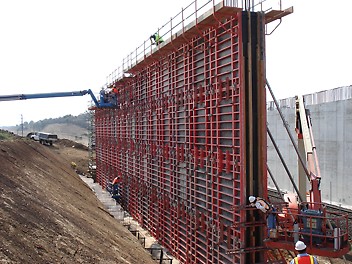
(304, 216)
(106, 100)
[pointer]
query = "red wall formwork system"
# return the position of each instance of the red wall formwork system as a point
(189, 141)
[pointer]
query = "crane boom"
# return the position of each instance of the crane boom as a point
(305, 133)
(56, 94)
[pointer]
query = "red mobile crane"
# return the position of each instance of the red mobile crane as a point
(324, 232)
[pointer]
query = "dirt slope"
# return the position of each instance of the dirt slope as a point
(48, 215)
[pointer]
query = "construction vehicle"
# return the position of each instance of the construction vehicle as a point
(305, 217)
(103, 103)
(44, 138)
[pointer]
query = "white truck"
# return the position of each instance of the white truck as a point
(44, 138)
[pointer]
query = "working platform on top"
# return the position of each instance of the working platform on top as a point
(146, 53)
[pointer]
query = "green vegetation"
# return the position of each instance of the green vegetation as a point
(80, 121)
(4, 135)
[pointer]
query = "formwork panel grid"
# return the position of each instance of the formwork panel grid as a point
(178, 140)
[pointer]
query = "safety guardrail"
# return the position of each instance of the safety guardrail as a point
(178, 24)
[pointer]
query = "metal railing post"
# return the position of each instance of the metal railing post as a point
(183, 22)
(157, 44)
(171, 28)
(136, 56)
(195, 12)
(144, 49)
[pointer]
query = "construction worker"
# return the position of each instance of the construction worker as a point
(115, 185)
(260, 203)
(114, 93)
(102, 95)
(116, 180)
(114, 90)
(266, 208)
(157, 39)
(302, 256)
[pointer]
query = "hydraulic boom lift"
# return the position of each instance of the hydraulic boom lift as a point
(101, 104)
(324, 232)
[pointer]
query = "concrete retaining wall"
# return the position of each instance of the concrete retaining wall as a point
(332, 128)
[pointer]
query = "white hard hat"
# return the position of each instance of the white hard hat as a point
(251, 199)
(300, 245)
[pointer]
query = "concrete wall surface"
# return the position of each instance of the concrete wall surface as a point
(332, 129)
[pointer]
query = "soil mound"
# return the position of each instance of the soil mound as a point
(70, 143)
(49, 215)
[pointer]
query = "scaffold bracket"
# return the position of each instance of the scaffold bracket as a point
(273, 15)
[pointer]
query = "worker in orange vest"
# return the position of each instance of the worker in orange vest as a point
(114, 94)
(303, 257)
(116, 180)
(115, 185)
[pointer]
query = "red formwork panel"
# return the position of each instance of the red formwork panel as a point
(179, 140)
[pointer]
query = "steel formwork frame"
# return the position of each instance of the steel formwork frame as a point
(189, 141)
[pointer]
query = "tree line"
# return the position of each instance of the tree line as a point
(81, 120)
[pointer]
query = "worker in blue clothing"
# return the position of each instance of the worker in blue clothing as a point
(303, 257)
(115, 188)
(157, 39)
(102, 95)
(115, 185)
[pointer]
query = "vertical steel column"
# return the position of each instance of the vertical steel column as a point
(255, 117)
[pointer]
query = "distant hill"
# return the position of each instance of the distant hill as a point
(69, 127)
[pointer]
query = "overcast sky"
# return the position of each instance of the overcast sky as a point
(71, 45)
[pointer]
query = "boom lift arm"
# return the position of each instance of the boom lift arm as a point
(305, 135)
(57, 94)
